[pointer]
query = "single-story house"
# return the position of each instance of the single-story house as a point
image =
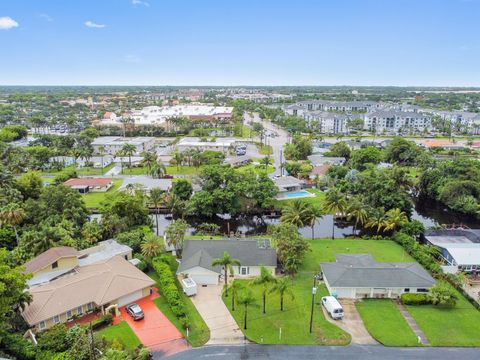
(288, 183)
(145, 183)
(198, 255)
(459, 248)
(65, 160)
(85, 185)
(319, 171)
(238, 160)
(125, 160)
(103, 286)
(56, 258)
(360, 276)
(217, 144)
(97, 161)
(318, 160)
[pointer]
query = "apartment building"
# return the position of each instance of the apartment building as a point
(394, 120)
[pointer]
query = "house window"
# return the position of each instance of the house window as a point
(89, 306)
(69, 314)
(244, 270)
(56, 319)
(55, 265)
(79, 310)
(422, 290)
(407, 290)
(42, 325)
(126, 257)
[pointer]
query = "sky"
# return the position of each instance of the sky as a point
(240, 42)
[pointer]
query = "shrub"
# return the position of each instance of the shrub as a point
(442, 294)
(423, 254)
(415, 299)
(102, 321)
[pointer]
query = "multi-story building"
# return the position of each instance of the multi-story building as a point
(112, 144)
(344, 106)
(327, 122)
(394, 120)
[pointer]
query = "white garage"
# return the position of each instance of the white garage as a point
(202, 276)
(128, 299)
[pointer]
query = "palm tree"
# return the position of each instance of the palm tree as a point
(246, 299)
(296, 213)
(266, 161)
(158, 170)
(234, 287)
(129, 150)
(13, 215)
(177, 159)
(356, 210)
(157, 195)
(151, 246)
(265, 279)
(149, 159)
(283, 286)
(335, 203)
(313, 214)
(227, 262)
(394, 218)
(101, 150)
(376, 220)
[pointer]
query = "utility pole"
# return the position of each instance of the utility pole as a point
(314, 291)
(92, 343)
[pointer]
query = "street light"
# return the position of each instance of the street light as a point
(314, 291)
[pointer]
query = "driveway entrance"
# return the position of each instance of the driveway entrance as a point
(223, 328)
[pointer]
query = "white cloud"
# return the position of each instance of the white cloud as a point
(45, 17)
(91, 24)
(140, 2)
(7, 22)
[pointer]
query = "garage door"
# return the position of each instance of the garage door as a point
(205, 279)
(127, 299)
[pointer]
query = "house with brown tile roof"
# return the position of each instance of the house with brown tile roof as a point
(57, 258)
(85, 185)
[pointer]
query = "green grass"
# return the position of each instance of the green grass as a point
(123, 333)
(257, 169)
(265, 149)
(294, 320)
(171, 170)
(199, 333)
(93, 199)
(385, 323)
(95, 171)
(317, 200)
(458, 326)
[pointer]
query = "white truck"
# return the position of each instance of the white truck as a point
(333, 307)
(189, 286)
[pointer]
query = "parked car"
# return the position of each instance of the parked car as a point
(333, 307)
(135, 311)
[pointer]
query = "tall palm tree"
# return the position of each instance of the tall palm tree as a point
(335, 203)
(296, 213)
(158, 170)
(246, 299)
(283, 286)
(13, 215)
(394, 218)
(266, 161)
(356, 210)
(178, 158)
(157, 195)
(227, 262)
(265, 279)
(101, 150)
(129, 150)
(376, 220)
(149, 159)
(313, 214)
(234, 288)
(151, 246)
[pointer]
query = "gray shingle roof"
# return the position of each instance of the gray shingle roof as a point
(361, 270)
(203, 252)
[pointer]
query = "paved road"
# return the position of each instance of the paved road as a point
(357, 352)
(277, 142)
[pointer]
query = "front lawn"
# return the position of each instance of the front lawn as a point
(458, 326)
(93, 199)
(199, 333)
(123, 333)
(294, 321)
(385, 323)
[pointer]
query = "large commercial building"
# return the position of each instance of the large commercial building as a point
(112, 144)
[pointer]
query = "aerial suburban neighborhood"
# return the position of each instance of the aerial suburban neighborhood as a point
(171, 186)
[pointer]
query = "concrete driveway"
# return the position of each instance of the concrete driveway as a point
(223, 327)
(352, 323)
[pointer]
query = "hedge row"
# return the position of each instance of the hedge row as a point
(415, 299)
(423, 254)
(170, 291)
(102, 321)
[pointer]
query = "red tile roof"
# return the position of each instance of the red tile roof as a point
(48, 257)
(107, 115)
(88, 182)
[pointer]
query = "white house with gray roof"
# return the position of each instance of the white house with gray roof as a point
(360, 276)
(198, 255)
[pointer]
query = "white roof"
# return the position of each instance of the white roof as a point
(196, 142)
(464, 254)
(103, 251)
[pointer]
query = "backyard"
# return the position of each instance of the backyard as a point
(385, 323)
(123, 333)
(316, 200)
(93, 199)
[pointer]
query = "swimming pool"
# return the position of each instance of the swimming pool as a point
(295, 195)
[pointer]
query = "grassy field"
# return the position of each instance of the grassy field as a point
(385, 323)
(123, 333)
(257, 169)
(265, 149)
(199, 333)
(317, 200)
(84, 171)
(171, 170)
(93, 199)
(458, 326)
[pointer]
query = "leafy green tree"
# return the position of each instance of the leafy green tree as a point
(175, 233)
(227, 262)
(443, 294)
(291, 247)
(335, 204)
(13, 215)
(283, 286)
(182, 189)
(376, 220)
(296, 213)
(340, 149)
(130, 209)
(402, 151)
(152, 246)
(149, 159)
(158, 170)
(30, 185)
(92, 232)
(156, 197)
(356, 210)
(129, 150)
(368, 155)
(394, 219)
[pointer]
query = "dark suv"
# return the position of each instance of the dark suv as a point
(135, 311)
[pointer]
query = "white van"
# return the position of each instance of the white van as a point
(333, 307)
